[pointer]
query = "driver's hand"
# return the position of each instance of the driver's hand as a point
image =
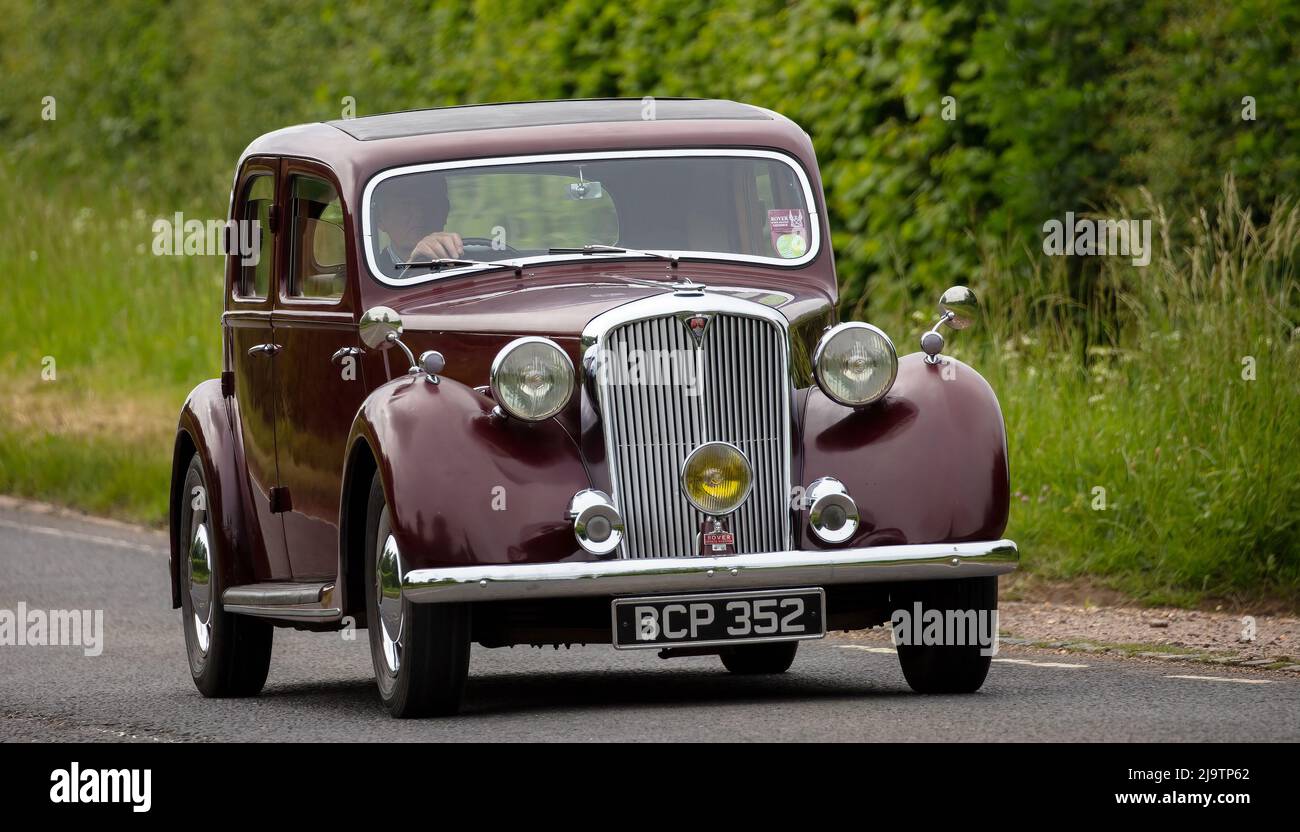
(439, 244)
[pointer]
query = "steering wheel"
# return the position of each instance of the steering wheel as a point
(487, 242)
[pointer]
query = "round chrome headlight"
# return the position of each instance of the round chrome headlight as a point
(532, 378)
(855, 364)
(717, 478)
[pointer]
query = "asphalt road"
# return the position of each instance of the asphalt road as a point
(321, 687)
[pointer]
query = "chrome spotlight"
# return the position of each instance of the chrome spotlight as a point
(831, 511)
(597, 525)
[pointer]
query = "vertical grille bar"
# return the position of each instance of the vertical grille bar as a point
(655, 420)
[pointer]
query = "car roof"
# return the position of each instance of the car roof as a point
(358, 148)
(541, 114)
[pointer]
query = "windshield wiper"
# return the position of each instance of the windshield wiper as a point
(439, 263)
(677, 284)
(596, 248)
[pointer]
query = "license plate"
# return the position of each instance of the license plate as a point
(710, 618)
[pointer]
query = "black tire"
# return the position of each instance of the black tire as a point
(759, 659)
(238, 651)
(946, 668)
(433, 658)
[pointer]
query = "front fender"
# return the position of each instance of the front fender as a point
(466, 486)
(928, 464)
(205, 427)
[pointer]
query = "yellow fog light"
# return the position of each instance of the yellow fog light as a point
(717, 478)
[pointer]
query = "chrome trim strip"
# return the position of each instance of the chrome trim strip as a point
(669, 303)
(810, 201)
(649, 576)
(271, 594)
(285, 599)
(282, 612)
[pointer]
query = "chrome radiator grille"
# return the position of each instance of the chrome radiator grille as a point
(740, 394)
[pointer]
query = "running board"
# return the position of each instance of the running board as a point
(282, 599)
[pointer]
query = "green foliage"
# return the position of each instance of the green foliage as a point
(1110, 376)
(1059, 105)
(1177, 397)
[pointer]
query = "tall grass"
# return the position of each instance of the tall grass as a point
(1141, 399)
(81, 285)
(100, 340)
(1137, 390)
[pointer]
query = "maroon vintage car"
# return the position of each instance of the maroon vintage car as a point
(568, 373)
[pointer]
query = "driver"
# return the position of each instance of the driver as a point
(412, 212)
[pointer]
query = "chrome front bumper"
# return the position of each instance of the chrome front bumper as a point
(651, 576)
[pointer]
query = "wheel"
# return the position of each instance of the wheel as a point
(229, 654)
(420, 651)
(954, 668)
(759, 659)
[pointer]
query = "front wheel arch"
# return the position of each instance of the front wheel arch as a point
(182, 452)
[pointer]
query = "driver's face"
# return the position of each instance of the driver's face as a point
(409, 212)
(401, 219)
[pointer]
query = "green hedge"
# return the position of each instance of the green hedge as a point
(1059, 105)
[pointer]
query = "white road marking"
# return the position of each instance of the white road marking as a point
(1042, 664)
(1225, 679)
(889, 651)
(82, 536)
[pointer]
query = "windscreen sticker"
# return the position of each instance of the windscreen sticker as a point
(789, 232)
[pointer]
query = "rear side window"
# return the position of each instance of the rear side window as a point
(318, 259)
(255, 279)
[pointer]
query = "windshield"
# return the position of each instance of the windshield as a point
(749, 206)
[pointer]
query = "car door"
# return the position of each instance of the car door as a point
(252, 357)
(322, 385)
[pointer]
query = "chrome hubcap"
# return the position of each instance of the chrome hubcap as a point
(201, 586)
(388, 594)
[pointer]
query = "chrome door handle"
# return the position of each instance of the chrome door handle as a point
(265, 349)
(345, 352)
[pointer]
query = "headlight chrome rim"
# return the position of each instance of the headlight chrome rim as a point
(825, 341)
(825, 493)
(494, 381)
(749, 478)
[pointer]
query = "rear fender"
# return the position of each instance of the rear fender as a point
(207, 427)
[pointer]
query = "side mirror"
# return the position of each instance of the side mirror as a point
(381, 328)
(960, 309)
(377, 324)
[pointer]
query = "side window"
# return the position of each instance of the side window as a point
(255, 280)
(318, 259)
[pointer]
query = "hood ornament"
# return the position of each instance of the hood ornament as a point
(686, 288)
